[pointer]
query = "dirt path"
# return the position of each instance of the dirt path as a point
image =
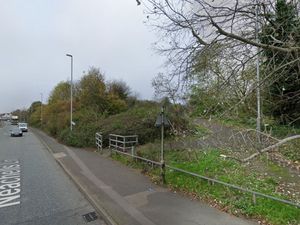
(241, 143)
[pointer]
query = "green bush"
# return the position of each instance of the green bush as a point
(138, 120)
(70, 138)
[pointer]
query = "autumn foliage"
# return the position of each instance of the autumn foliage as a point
(98, 106)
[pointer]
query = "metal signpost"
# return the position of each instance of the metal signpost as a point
(161, 122)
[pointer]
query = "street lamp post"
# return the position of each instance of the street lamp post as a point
(258, 97)
(41, 109)
(71, 107)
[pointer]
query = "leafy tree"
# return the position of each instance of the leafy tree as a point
(283, 31)
(34, 113)
(94, 100)
(119, 89)
(56, 116)
(219, 82)
(34, 106)
(115, 104)
(92, 91)
(61, 92)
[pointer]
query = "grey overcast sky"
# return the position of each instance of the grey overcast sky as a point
(37, 34)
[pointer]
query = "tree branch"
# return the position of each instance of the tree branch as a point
(281, 142)
(253, 43)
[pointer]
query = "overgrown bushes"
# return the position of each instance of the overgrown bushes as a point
(101, 106)
(139, 120)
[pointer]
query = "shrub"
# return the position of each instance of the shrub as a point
(138, 120)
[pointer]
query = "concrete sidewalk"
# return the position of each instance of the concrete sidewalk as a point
(126, 197)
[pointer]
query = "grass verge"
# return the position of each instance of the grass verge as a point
(210, 164)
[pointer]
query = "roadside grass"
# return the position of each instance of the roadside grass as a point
(201, 131)
(281, 131)
(239, 122)
(210, 164)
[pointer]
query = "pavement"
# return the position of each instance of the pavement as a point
(123, 196)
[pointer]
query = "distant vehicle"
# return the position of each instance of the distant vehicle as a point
(14, 120)
(5, 116)
(16, 132)
(23, 127)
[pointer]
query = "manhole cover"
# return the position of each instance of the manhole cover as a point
(90, 217)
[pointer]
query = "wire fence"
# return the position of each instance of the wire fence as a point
(254, 193)
(117, 144)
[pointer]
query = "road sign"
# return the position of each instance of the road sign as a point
(162, 120)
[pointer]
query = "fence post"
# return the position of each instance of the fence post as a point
(96, 142)
(254, 199)
(163, 172)
(124, 143)
(98, 137)
(109, 146)
(101, 142)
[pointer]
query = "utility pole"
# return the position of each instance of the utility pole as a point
(258, 97)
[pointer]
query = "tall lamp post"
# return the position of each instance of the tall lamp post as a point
(71, 108)
(41, 109)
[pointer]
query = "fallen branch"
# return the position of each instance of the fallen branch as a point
(264, 134)
(271, 147)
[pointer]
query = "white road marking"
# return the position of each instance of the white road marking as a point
(59, 155)
(10, 185)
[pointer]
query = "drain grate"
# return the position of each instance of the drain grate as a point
(89, 217)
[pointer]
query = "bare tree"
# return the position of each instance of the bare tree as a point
(193, 29)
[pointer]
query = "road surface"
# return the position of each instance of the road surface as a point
(33, 187)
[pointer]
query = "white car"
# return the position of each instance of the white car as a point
(23, 127)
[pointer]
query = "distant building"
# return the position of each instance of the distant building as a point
(5, 116)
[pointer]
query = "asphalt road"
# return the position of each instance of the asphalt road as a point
(33, 188)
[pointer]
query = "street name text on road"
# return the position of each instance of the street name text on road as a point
(10, 185)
